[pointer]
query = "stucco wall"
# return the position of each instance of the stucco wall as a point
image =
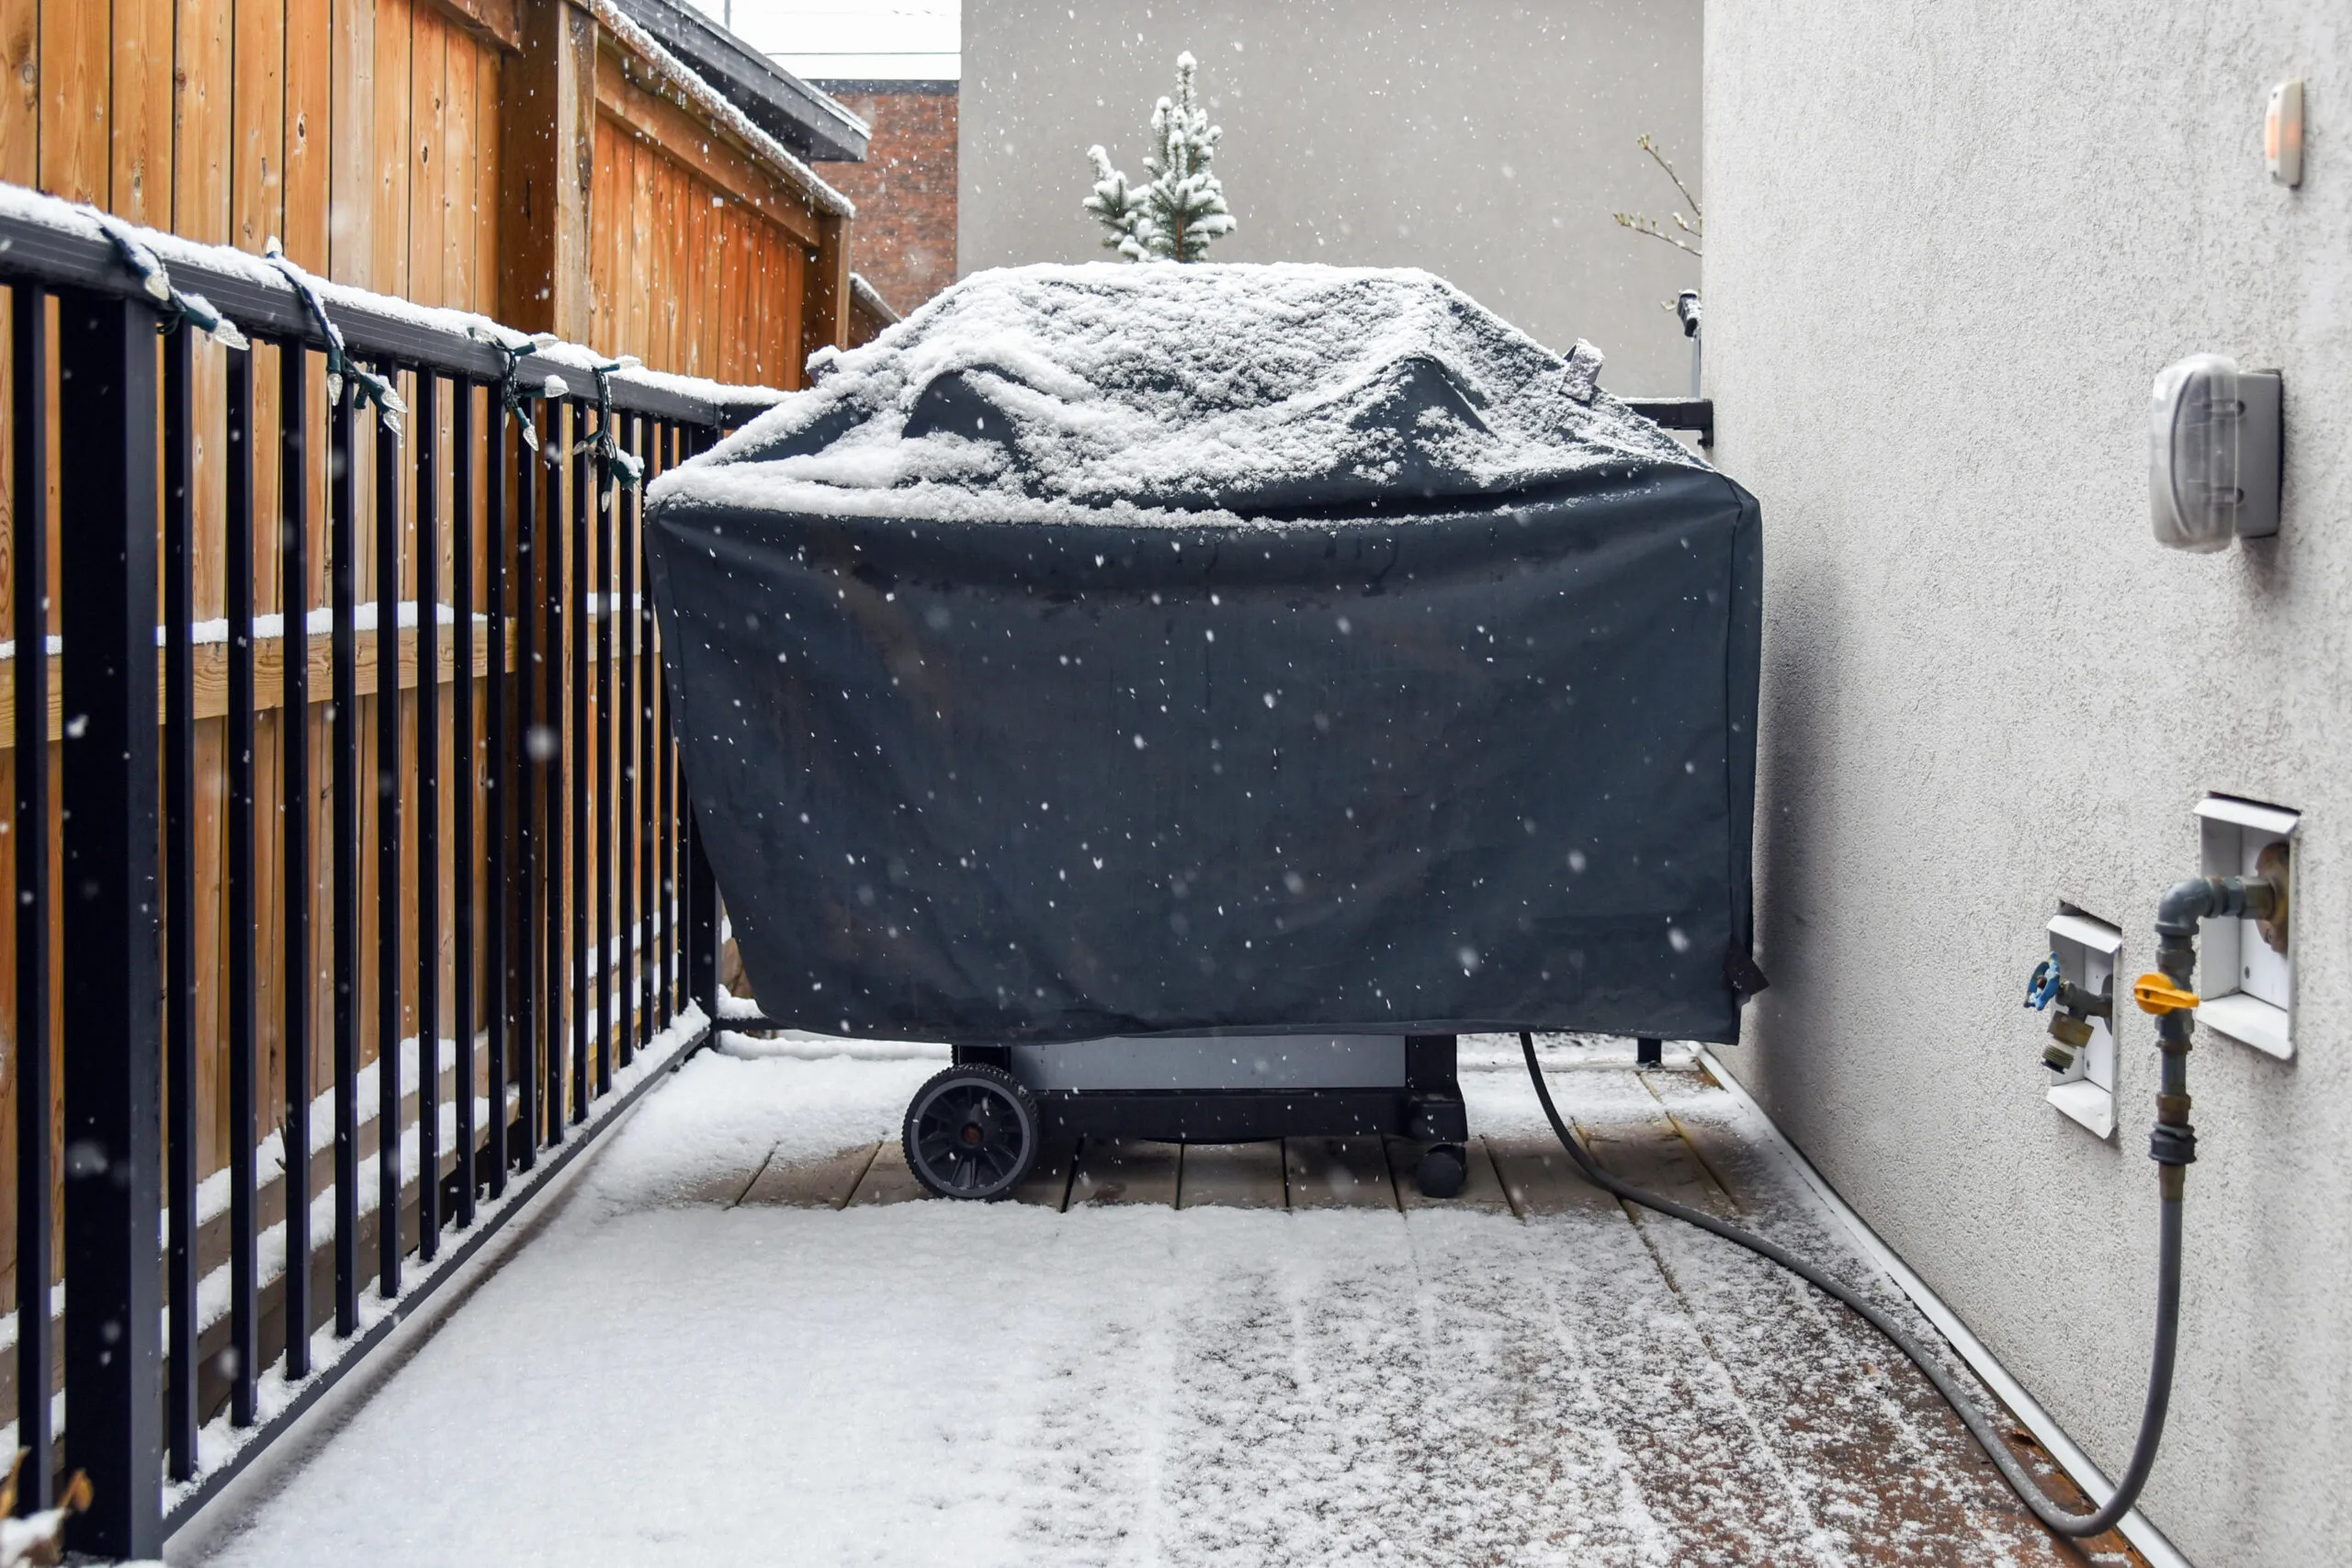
(1950, 246)
(1486, 141)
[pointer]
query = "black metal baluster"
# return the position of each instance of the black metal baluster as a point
(36, 1149)
(666, 810)
(294, 854)
(675, 873)
(179, 892)
(133, 1000)
(556, 667)
(428, 817)
(388, 851)
(701, 924)
(628, 962)
(648, 678)
(244, 1016)
(497, 966)
(113, 1339)
(342, 569)
(582, 760)
(693, 875)
(528, 663)
(607, 989)
(461, 777)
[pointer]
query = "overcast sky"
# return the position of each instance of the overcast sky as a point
(852, 38)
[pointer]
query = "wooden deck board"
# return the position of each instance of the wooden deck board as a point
(1116, 1170)
(1650, 1153)
(1481, 1391)
(727, 1189)
(1481, 1190)
(887, 1181)
(1232, 1176)
(1338, 1173)
(1876, 1491)
(814, 1184)
(1775, 1343)
(1541, 1179)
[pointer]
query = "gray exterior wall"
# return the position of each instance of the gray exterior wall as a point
(1950, 245)
(1485, 141)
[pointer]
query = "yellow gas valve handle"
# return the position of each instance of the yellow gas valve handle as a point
(2159, 995)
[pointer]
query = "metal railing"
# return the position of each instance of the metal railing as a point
(517, 766)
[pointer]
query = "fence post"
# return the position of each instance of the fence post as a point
(702, 923)
(113, 1339)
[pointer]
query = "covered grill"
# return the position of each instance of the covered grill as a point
(1185, 651)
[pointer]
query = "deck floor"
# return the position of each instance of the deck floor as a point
(748, 1332)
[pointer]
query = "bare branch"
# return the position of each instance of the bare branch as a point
(1649, 146)
(1641, 225)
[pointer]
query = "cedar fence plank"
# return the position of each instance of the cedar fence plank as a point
(76, 111)
(428, 159)
(394, 155)
(20, 92)
(257, 165)
(269, 674)
(347, 196)
(140, 190)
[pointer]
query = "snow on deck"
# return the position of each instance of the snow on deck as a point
(671, 1374)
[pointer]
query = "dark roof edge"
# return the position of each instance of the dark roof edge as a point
(919, 87)
(805, 119)
(871, 298)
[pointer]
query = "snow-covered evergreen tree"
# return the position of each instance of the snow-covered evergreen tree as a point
(1182, 210)
(1117, 207)
(1184, 201)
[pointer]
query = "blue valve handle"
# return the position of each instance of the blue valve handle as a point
(2042, 988)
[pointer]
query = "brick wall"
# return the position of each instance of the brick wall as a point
(905, 191)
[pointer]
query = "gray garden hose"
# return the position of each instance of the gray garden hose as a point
(2152, 1417)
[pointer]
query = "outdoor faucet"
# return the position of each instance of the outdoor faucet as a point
(2070, 1026)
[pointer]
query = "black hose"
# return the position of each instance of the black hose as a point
(2152, 1417)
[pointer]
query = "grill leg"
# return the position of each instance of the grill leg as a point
(1649, 1052)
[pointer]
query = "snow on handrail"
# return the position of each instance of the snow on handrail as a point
(54, 244)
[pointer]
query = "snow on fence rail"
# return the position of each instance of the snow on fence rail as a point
(287, 850)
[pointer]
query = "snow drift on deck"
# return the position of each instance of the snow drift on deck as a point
(1028, 392)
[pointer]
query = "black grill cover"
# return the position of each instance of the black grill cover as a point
(1087, 657)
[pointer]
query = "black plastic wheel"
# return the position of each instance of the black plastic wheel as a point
(971, 1131)
(1443, 1169)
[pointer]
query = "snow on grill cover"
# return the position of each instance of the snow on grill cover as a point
(1117, 649)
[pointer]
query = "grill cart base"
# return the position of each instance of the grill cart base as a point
(1227, 1089)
